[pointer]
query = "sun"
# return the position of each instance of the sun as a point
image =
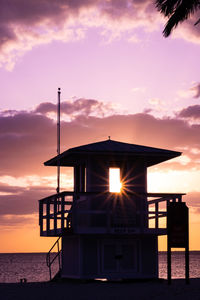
(115, 184)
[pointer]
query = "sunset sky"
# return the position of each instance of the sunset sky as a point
(119, 77)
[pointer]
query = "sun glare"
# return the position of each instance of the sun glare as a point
(115, 184)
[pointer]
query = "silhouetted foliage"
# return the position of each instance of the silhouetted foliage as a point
(176, 11)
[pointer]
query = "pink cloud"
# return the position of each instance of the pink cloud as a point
(25, 24)
(193, 200)
(188, 31)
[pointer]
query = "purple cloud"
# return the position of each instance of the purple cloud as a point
(84, 107)
(25, 24)
(28, 138)
(190, 112)
(196, 90)
(21, 201)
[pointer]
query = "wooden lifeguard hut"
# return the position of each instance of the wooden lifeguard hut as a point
(109, 224)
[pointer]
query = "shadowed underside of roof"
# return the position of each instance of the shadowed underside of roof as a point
(113, 149)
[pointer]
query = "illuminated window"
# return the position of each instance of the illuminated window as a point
(115, 184)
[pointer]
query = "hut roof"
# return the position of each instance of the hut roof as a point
(115, 150)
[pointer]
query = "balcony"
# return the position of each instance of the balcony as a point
(92, 213)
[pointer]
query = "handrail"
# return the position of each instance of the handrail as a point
(62, 213)
(49, 262)
(156, 214)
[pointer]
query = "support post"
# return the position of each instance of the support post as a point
(187, 265)
(177, 234)
(169, 263)
(187, 271)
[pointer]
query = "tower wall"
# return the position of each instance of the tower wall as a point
(111, 257)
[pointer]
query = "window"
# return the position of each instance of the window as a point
(115, 184)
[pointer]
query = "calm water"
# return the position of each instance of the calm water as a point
(32, 266)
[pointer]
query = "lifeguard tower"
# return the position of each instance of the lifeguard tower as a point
(109, 224)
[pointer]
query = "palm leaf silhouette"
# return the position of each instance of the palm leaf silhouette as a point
(176, 11)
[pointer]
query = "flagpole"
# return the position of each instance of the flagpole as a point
(58, 143)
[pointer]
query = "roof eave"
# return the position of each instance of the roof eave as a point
(66, 156)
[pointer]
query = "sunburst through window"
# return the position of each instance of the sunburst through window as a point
(115, 184)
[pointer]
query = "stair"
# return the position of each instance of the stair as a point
(56, 256)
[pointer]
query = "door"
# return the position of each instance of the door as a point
(119, 256)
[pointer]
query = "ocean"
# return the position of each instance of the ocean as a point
(32, 266)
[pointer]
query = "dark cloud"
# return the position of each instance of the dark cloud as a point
(81, 106)
(23, 142)
(24, 24)
(22, 201)
(190, 112)
(28, 138)
(33, 11)
(27, 14)
(196, 89)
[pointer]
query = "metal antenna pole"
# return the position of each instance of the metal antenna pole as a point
(58, 143)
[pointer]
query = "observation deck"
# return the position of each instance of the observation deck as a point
(73, 213)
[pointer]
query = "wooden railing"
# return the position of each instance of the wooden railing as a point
(65, 213)
(54, 214)
(157, 208)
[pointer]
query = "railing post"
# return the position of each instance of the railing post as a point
(41, 217)
(56, 198)
(156, 215)
(48, 217)
(62, 212)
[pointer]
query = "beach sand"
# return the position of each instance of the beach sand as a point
(101, 290)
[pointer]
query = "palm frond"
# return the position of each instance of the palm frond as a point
(167, 7)
(177, 11)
